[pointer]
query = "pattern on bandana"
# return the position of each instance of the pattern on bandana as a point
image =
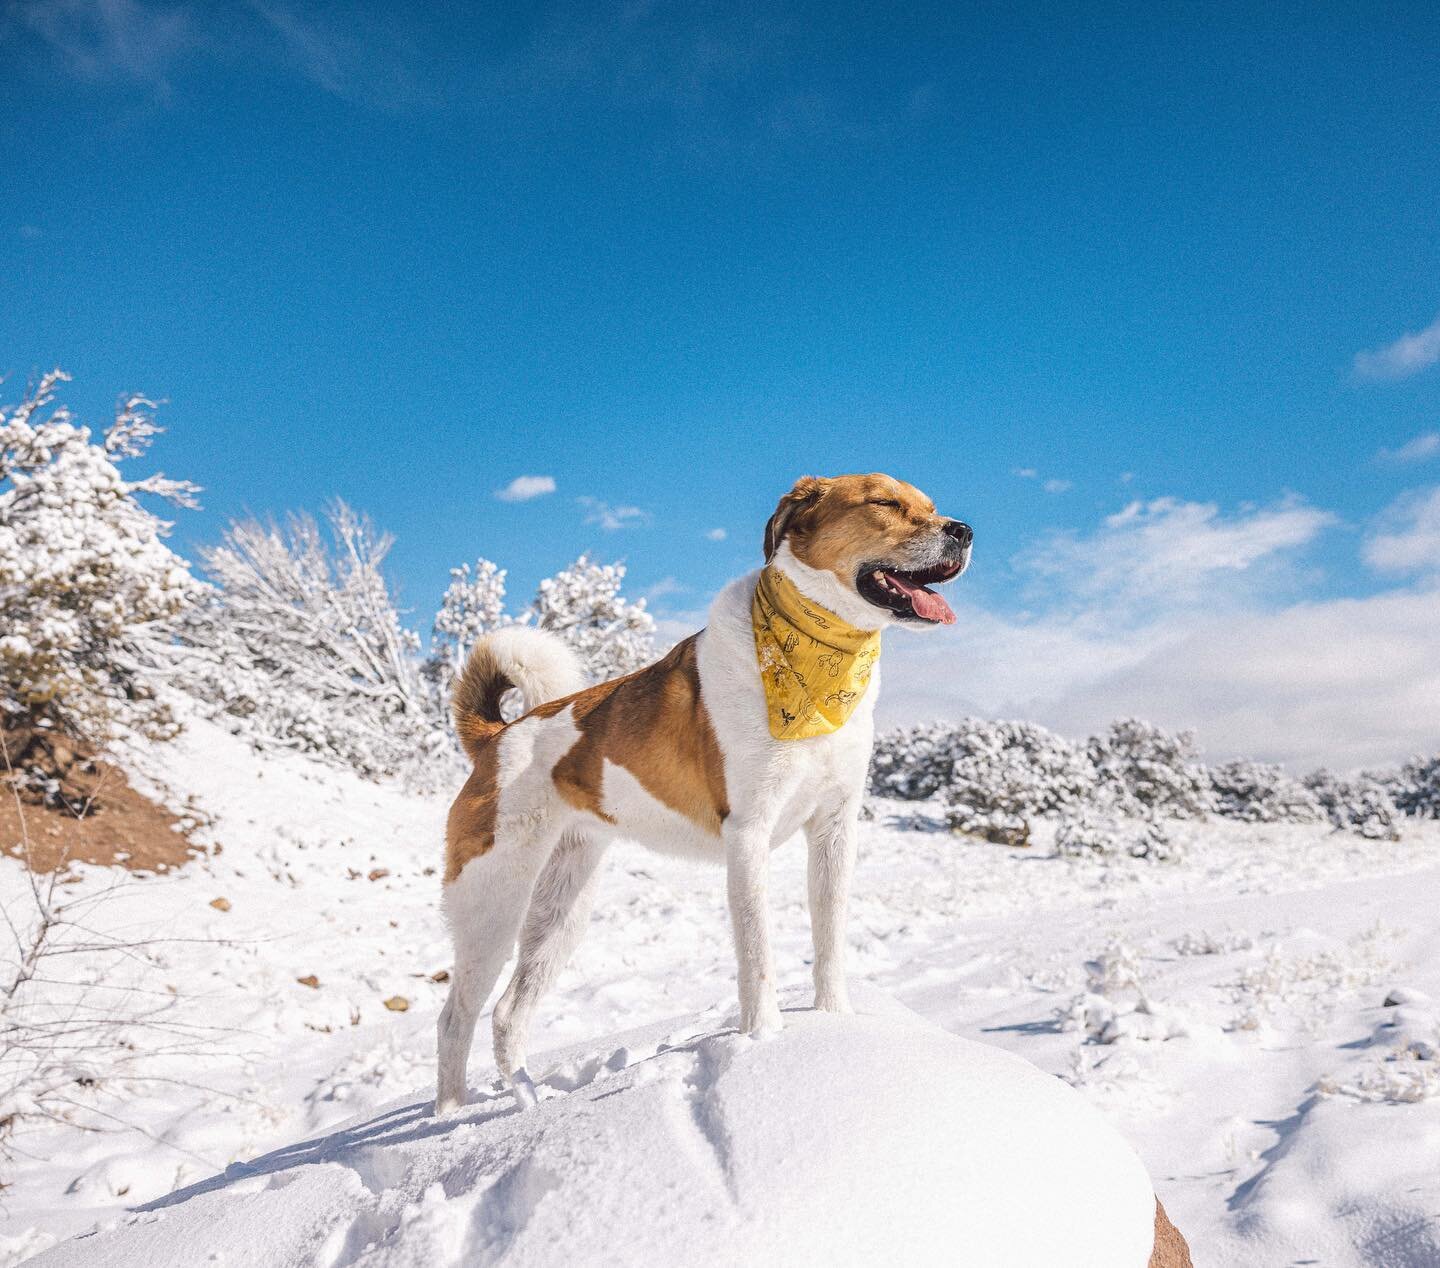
(814, 666)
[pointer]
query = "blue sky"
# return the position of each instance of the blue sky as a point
(1049, 267)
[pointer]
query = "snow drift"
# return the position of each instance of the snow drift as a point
(866, 1139)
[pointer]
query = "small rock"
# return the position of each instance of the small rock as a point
(397, 1003)
(220, 904)
(378, 874)
(442, 976)
(309, 980)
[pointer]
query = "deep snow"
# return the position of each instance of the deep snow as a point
(1231, 1024)
(858, 1140)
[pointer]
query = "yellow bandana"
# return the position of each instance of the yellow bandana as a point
(814, 666)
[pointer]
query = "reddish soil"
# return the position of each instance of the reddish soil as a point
(103, 821)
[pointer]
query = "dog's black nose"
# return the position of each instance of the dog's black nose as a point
(961, 532)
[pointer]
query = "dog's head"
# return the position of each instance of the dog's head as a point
(880, 539)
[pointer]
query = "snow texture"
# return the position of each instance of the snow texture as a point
(1284, 1111)
(846, 1140)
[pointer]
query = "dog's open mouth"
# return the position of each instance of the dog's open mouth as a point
(908, 594)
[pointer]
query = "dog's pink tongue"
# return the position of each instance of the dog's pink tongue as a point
(928, 605)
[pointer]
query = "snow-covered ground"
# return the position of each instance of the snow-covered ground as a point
(1232, 1021)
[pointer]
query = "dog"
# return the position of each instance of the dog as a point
(757, 727)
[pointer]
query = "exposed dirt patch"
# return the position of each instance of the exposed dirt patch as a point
(97, 818)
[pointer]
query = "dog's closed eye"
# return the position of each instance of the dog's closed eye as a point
(883, 502)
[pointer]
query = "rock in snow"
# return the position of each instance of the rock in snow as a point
(876, 1138)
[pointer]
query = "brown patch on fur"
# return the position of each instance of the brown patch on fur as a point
(840, 524)
(470, 829)
(654, 724)
(475, 704)
(1171, 1250)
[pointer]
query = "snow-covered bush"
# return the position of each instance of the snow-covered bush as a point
(1360, 804)
(1115, 1004)
(1148, 770)
(1102, 830)
(1258, 792)
(582, 603)
(1417, 788)
(89, 592)
(1003, 774)
(300, 642)
(912, 763)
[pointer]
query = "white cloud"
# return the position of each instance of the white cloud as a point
(610, 518)
(1421, 449)
(1170, 552)
(31, 232)
(523, 488)
(716, 535)
(1408, 540)
(1172, 611)
(1058, 486)
(1025, 473)
(1408, 355)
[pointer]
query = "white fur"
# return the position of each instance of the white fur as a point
(539, 663)
(546, 852)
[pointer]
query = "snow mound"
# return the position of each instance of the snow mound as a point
(876, 1138)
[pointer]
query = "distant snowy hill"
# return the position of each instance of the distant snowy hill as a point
(859, 1140)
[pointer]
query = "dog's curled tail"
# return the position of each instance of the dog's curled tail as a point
(537, 662)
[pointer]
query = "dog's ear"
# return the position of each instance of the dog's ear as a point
(805, 494)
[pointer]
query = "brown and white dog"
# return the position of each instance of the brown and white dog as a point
(678, 756)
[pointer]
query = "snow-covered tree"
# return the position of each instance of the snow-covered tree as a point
(89, 592)
(583, 604)
(1149, 770)
(1360, 804)
(1258, 792)
(300, 639)
(473, 604)
(1417, 787)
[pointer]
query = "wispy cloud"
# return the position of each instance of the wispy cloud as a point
(1407, 539)
(1050, 485)
(523, 488)
(716, 535)
(1408, 355)
(359, 55)
(31, 233)
(663, 589)
(1202, 635)
(101, 41)
(1421, 449)
(612, 518)
(1169, 552)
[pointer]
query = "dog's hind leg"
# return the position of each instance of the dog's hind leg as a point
(484, 906)
(559, 911)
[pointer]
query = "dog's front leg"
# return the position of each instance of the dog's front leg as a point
(747, 875)
(830, 836)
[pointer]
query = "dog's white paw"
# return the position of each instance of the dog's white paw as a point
(833, 1002)
(524, 1088)
(448, 1105)
(765, 1022)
